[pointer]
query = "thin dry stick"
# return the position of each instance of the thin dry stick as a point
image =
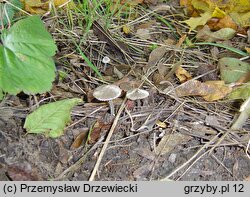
(98, 162)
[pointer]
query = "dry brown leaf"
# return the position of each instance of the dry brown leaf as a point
(193, 88)
(170, 141)
(182, 74)
(98, 128)
(156, 55)
(143, 34)
(244, 79)
(226, 22)
(210, 90)
(190, 11)
(79, 140)
(220, 90)
(64, 155)
(157, 78)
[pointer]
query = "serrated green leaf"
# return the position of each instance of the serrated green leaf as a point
(232, 69)
(26, 62)
(50, 119)
(7, 10)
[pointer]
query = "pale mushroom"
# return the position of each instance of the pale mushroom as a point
(135, 94)
(105, 60)
(107, 93)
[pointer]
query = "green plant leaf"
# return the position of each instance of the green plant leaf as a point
(207, 35)
(26, 62)
(50, 119)
(1, 95)
(232, 69)
(241, 92)
(9, 10)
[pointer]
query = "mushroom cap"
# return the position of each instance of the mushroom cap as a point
(137, 93)
(105, 60)
(107, 92)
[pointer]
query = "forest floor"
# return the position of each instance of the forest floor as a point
(163, 136)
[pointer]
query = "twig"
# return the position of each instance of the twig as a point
(92, 177)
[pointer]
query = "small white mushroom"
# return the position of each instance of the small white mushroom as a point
(135, 94)
(105, 60)
(107, 93)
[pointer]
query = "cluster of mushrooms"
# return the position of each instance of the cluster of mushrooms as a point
(110, 92)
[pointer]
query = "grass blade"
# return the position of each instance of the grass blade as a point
(223, 46)
(86, 59)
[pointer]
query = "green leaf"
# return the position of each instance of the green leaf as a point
(26, 62)
(7, 11)
(50, 119)
(207, 35)
(1, 95)
(241, 92)
(232, 69)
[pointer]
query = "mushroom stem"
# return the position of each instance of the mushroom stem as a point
(111, 106)
(105, 67)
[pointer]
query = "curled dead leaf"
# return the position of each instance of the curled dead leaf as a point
(182, 74)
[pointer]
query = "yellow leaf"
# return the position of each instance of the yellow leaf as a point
(161, 124)
(247, 49)
(226, 22)
(220, 90)
(218, 13)
(182, 74)
(202, 5)
(242, 19)
(126, 29)
(41, 7)
(58, 3)
(238, 10)
(194, 22)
